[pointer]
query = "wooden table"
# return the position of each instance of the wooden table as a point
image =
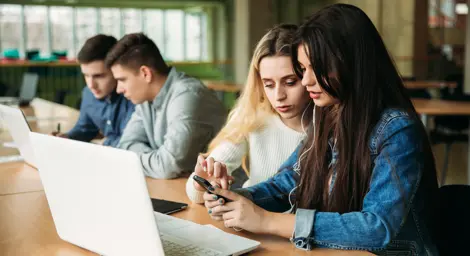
(18, 177)
(436, 107)
(42, 116)
(429, 84)
(223, 86)
(27, 228)
(45, 110)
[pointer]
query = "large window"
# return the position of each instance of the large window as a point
(10, 26)
(86, 24)
(194, 49)
(110, 20)
(154, 27)
(61, 24)
(36, 29)
(180, 36)
(174, 35)
(131, 21)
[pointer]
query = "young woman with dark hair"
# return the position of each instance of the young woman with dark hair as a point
(365, 178)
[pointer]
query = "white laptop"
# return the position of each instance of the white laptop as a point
(99, 200)
(28, 91)
(15, 121)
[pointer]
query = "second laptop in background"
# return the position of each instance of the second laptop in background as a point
(15, 121)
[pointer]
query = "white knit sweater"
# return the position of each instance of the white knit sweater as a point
(268, 148)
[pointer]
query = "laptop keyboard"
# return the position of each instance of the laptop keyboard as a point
(174, 249)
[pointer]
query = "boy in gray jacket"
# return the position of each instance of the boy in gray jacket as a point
(176, 115)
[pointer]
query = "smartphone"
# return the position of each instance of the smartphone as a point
(208, 186)
(167, 207)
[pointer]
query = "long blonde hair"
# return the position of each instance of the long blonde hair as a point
(252, 108)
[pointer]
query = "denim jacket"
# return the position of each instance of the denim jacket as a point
(398, 211)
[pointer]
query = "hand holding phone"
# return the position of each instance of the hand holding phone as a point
(207, 186)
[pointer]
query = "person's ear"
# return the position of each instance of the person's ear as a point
(146, 73)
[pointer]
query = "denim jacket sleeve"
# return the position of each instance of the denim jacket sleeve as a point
(273, 194)
(397, 170)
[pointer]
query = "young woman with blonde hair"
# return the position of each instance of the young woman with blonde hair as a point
(266, 124)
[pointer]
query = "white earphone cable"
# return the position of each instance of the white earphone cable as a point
(296, 166)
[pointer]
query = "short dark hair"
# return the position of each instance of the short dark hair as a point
(96, 48)
(135, 50)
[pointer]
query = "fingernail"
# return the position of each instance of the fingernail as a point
(214, 197)
(221, 201)
(210, 211)
(230, 182)
(204, 167)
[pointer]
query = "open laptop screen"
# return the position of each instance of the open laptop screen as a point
(29, 87)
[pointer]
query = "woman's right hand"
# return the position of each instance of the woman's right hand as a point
(212, 171)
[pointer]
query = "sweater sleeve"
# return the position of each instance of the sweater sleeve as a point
(228, 153)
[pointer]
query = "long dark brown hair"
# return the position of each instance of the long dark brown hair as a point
(351, 64)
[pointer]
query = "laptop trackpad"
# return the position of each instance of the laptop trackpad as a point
(167, 223)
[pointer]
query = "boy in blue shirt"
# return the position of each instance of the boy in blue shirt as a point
(102, 109)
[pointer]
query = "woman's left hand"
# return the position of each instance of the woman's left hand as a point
(241, 212)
